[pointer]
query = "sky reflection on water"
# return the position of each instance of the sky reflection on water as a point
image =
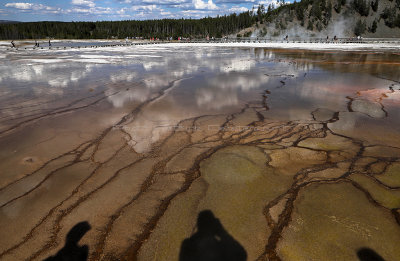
(211, 81)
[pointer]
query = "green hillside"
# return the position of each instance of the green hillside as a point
(322, 18)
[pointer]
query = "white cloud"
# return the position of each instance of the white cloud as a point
(269, 2)
(121, 11)
(143, 8)
(199, 4)
(103, 10)
(78, 10)
(143, 11)
(137, 9)
(165, 2)
(235, 1)
(24, 6)
(237, 9)
(196, 13)
(27, 7)
(93, 11)
(88, 3)
(166, 13)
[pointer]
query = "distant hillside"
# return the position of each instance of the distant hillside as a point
(322, 18)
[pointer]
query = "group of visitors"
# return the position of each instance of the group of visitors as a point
(37, 44)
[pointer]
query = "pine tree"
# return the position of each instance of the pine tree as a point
(338, 6)
(328, 13)
(361, 6)
(374, 5)
(316, 10)
(360, 28)
(219, 26)
(373, 27)
(299, 12)
(323, 5)
(260, 13)
(389, 16)
(310, 25)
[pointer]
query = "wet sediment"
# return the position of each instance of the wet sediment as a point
(131, 197)
(287, 135)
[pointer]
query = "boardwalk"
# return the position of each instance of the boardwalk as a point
(252, 40)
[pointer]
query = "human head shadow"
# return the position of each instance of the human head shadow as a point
(211, 242)
(367, 254)
(71, 250)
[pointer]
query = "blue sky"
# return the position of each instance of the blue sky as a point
(99, 10)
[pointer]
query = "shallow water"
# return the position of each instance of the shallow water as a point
(138, 140)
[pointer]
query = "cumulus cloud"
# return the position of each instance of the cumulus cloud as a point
(199, 4)
(165, 2)
(26, 7)
(29, 6)
(270, 2)
(238, 9)
(135, 9)
(143, 8)
(235, 1)
(166, 13)
(78, 10)
(88, 3)
(94, 11)
(194, 13)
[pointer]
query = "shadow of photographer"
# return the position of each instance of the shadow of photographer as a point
(367, 254)
(211, 242)
(71, 250)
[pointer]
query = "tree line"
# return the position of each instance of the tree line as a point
(164, 28)
(317, 14)
(311, 14)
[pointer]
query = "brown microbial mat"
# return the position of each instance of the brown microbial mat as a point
(112, 154)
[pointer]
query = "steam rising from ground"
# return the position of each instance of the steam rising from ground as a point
(341, 27)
